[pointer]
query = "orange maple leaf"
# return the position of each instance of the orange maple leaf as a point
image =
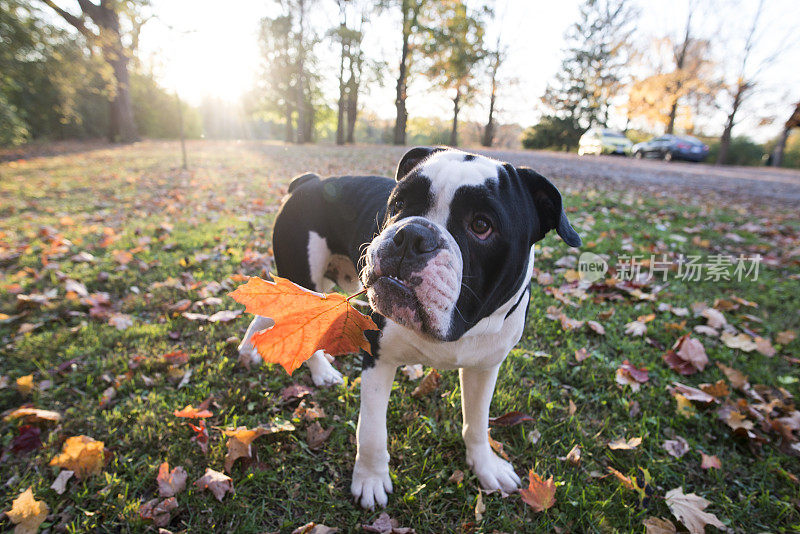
(540, 494)
(305, 321)
(190, 412)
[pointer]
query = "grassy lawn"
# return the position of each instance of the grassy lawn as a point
(159, 235)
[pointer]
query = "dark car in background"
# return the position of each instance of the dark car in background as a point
(670, 147)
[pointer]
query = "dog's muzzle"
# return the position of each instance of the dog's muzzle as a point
(413, 275)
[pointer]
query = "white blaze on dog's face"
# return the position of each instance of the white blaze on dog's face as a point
(456, 240)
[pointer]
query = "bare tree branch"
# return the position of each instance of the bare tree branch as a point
(77, 22)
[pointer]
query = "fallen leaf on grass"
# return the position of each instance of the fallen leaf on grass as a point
(159, 511)
(170, 483)
(33, 415)
(120, 321)
(785, 337)
(581, 354)
(676, 447)
(457, 477)
(386, 525)
(316, 435)
(27, 513)
(635, 328)
(540, 494)
(596, 327)
(412, 372)
(656, 525)
(688, 509)
(684, 407)
(714, 318)
(718, 389)
(692, 394)
(176, 357)
(497, 446)
(623, 479)
(737, 379)
(315, 528)
(480, 508)
(706, 330)
(200, 435)
(573, 456)
(75, 287)
(738, 421)
(25, 385)
(81, 454)
(738, 341)
(428, 385)
(622, 444)
(630, 375)
(295, 391)
(687, 356)
(510, 419)
(27, 440)
(240, 440)
(305, 322)
(217, 483)
(764, 346)
(190, 412)
(308, 411)
(59, 485)
(224, 316)
(710, 462)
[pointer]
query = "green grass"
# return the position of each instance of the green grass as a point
(222, 209)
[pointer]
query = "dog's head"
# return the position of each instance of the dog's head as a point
(456, 239)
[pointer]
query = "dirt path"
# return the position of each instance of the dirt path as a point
(782, 185)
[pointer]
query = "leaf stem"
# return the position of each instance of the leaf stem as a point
(354, 295)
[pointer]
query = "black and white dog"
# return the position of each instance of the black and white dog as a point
(446, 254)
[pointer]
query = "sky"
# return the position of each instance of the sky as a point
(200, 48)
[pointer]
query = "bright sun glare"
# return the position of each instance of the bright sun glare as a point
(208, 53)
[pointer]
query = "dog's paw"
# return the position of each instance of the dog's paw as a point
(493, 472)
(322, 372)
(371, 487)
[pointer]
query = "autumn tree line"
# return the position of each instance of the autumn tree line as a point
(83, 78)
(670, 86)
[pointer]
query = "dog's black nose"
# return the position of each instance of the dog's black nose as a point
(415, 239)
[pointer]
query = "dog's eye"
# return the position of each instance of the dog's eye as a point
(481, 227)
(397, 206)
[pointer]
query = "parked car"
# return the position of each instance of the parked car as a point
(603, 141)
(669, 147)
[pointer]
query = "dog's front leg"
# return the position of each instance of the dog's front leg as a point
(477, 388)
(246, 348)
(371, 481)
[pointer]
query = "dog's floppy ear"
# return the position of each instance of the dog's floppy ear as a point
(547, 199)
(412, 158)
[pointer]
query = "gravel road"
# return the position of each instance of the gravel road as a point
(766, 183)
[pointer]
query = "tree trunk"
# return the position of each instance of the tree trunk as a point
(308, 125)
(780, 147)
(680, 60)
(400, 91)
(673, 111)
(300, 96)
(725, 139)
(352, 113)
(456, 108)
(122, 127)
(488, 131)
(289, 130)
(340, 117)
